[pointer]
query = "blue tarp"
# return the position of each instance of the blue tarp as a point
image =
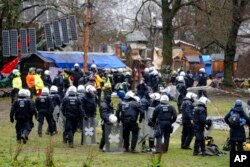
(206, 59)
(68, 59)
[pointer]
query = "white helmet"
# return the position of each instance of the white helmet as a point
(191, 95)
(90, 89)
(202, 69)
(146, 70)
(164, 99)
(129, 94)
(180, 79)
(203, 100)
(27, 92)
(81, 88)
(112, 118)
(45, 91)
(182, 73)
(46, 72)
(15, 71)
(155, 96)
(71, 90)
(22, 93)
(53, 88)
(137, 98)
(76, 65)
(127, 73)
(93, 66)
(151, 69)
(155, 72)
(120, 70)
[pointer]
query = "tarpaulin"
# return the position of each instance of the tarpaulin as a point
(68, 59)
(8, 67)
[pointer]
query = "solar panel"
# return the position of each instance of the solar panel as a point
(57, 36)
(6, 42)
(13, 42)
(23, 41)
(48, 35)
(32, 36)
(73, 29)
(65, 33)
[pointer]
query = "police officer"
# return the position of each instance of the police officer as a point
(141, 88)
(182, 89)
(58, 82)
(163, 117)
(80, 93)
(200, 121)
(89, 101)
(155, 80)
(146, 77)
(56, 99)
(76, 74)
(22, 111)
(187, 120)
(106, 109)
(128, 112)
(46, 79)
(202, 81)
(236, 118)
(45, 108)
(73, 111)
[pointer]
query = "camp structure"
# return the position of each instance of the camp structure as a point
(207, 62)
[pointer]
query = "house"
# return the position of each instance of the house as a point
(218, 62)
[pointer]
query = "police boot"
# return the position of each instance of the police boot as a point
(151, 143)
(24, 138)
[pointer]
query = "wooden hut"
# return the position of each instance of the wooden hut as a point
(218, 62)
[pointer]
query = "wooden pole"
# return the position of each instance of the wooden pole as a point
(86, 35)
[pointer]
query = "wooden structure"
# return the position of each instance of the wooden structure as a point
(218, 63)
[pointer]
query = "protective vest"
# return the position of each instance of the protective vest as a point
(30, 80)
(38, 82)
(17, 83)
(23, 109)
(98, 81)
(43, 104)
(165, 114)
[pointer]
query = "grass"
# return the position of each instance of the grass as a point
(35, 152)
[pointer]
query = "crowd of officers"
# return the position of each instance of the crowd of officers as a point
(79, 102)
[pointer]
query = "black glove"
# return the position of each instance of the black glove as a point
(12, 120)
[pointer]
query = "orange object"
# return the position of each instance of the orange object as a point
(30, 80)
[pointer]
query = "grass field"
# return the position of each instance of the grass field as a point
(34, 152)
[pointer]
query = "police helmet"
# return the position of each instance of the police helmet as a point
(202, 69)
(238, 103)
(72, 90)
(191, 95)
(180, 79)
(120, 70)
(90, 89)
(203, 100)
(46, 72)
(129, 94)
(28, 92)
(146, 70)
(182, 73)
(81, 88)
(164, 99)
(155, 96)
(22, 93)
(53, 88)
(76, 65)
(45, 91)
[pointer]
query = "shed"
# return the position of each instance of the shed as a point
(192, 63)
(218, 62)
(207, 61)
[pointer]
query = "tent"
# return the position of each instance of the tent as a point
(68, 59)
(8, 67)
(208, 63)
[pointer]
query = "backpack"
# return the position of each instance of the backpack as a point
(234, 119)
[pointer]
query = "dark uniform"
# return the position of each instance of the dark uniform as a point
(155, 80)
(22, 111)
(202, 81)
(106, 109)
(76, 74)
(199, 118)
(182, 89)
(141, 89)
(89, 103)
(73, 111)
(187, 130)
(58, 81)
(47, 81)
(163, 117)
(45, 108)
(237, 132)
(128, 112)
(118, 77)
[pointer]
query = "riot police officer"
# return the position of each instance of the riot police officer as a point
(202, 81)
(182, 89)
(45, 108)
(73, 111)
(128, 112)
(187, 120)
(200, 121)
(163, 117)
(22, 111)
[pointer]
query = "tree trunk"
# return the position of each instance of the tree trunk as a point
(168, 35)
(231, 44)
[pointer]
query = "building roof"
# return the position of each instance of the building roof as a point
(221, 57)
(193, 59)
(185, 43)
(136, 36)
(68, 59)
